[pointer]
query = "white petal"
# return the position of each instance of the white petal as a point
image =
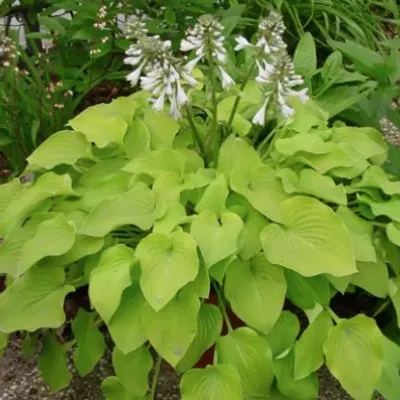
(261, 42)
(191, 64)
(259, 118)
(187, 46)
(181, 97)
(174, 110)
(301, 94)
(221, 57)
(267, 49)
(133, 77)
(159, 103)
(189, 79)
(286, 111)
(227, 81)
(242, 43)
(167, 44)
(133, 60)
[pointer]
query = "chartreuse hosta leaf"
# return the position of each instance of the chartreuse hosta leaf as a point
(201, 284)
(110, 278)
(209, 326)
(23, 303)
(366, 141)
(174, 216)
(8, 192)
(249, 243)
(250, 354)
(310, 231)
(256, 291)
(65, 147)
(172, 329)
(390, 208)
(309, 355)
(237, 154)
(306, 292)
(214, 196)
(376, 177)
(283, 334)
(3, 343)
(393, 233)
(217, 382)
(262, 188)
(90, 342)
(394, 294)
(162, 128)
(132, 369)
(311, 182)
(100, 126)
(353, 351)
(134, 207)
(301, 389)
(372, 277)
(31, 196)
(303, 142)
(125, 326)
(137, 139)
(113, 389)
(389, 382)
(216, 238)
(157, 162)
(361, 234)
(168, 262)
(52, 364)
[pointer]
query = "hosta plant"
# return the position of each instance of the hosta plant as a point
(245, 194)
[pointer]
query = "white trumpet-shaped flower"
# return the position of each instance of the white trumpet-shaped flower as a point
(259, 118)
(242, 43)
(227, 81)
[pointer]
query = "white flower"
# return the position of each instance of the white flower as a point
(134, 76)
(259, 118)
(242, 43)
(227, 81)
(181, 97)
(264, 72)
(158, 104)
(187, 46)
(192, 64)
(286, 111)
(301, 94)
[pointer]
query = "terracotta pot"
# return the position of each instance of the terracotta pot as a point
(208, 357)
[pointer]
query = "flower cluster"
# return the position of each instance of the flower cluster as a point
(101, 24)
(207, 40)
(135, 26)
(275, 68)
(9, 53)
(162, 73)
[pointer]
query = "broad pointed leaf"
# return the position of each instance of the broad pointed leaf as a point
(394, 294)
(393, 233)
(22, 304)
(302, 389)
(65, 147)
(52, 364)
(168, 263)
(162, 127)
(389, 382)
(209, 326)
(353, 352)
(372, 277)
(100, 126)
(361, 234)
(256, 291)
(263, 189)
(214, 197)
(125, 326)
(303, 142)
(284, 333)
(217, 239)
(113, 389)
(172, 329)
(250, 354)
(133, 369)
(309, 355)
(109, 280)
(201, 284)
(91, 343)
(135, 207)
(376, 177)
(137, 139)
(237, 154)
(217, 382)
(310, 231)
(157, 162)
